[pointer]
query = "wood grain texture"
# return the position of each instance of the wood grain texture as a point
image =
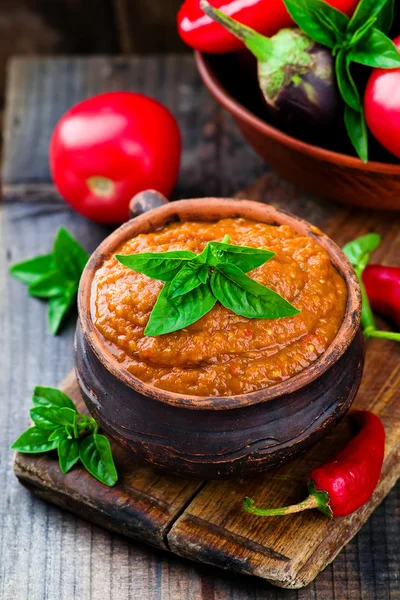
(46, 553)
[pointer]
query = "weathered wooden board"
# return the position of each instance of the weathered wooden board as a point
(46, 553)
(204, 521)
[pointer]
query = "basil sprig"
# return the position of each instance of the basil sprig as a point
(58, 426)
(358, 252)
(361, 39)
(55, 276)
(194, 283)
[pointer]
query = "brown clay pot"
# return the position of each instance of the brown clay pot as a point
(226, 436)
(326, 173)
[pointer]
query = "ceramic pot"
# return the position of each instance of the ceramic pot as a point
(217, 437)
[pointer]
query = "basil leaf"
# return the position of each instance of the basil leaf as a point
(46, 396)
(185, 281)
(172, 314)
(305, 13)
(59, 434)
(385, 18)
(96, 456)
(68, 453)
(366, 10)
(58, 308)
(358, 251)
(245, 258)
(48, 286)
(245, 296)
(361, 32)
(34, 440)
(69, 256)
(203, 274)
(48, 417)
(357, 130)
(376, 50)
(347, 87)
(33, 269)
(158, 265)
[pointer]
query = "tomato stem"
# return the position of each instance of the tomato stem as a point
(101, 186)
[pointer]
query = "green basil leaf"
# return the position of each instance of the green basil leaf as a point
(385, 18)
(185, 281)
(307, 15)
(47, 396)
(366, 10)
(376, 50)
(69, 256)
(203, 274)
(50, 285)
(171, 314)
(59, 434)
(68, 453)
(34, 440)
(48, 417)
(245, 296)
(361, 32)
(347, 87)
(33, 269)
(96, 456)
(58, 308)
(359, 250)
(206, 257)
(357, 130)
(158, 265)
(245, 258)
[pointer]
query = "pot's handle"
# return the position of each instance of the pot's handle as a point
(145, 201)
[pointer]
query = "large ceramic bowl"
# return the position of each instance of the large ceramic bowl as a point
(327, 173)
(229, 436)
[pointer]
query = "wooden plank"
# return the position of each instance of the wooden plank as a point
(46, 553)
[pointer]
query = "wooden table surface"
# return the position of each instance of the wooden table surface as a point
(46, 553)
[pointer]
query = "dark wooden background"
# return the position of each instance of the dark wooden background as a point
(46, 553)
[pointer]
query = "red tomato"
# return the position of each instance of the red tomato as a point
(108, 148)
(382, 106)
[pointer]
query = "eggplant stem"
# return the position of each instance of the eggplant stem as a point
(258, 44)
(307, 504)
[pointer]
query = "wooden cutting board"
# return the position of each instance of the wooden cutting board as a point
(203, 520)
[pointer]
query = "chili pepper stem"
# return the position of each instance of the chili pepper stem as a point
(307, 504)
(371, 332)
(258, 44)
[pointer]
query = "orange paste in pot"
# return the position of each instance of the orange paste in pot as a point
(222, 354)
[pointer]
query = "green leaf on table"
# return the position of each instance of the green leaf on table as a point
(68, 453)
(69, 256)
(158, 265)
(245, 296)
(34, 440)
(96, 456)
(49, 286)
(357, 131)
(318, 20)
(46, 396)
(59, 434)
(376, 50)
(186, 280)
(58, 308)
(358, 251)
(48, 417)
(245, 258)
(32, 270)
(171, 314)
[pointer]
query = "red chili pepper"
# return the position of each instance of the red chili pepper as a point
(346, 482)
(265, 16)
(383, 290)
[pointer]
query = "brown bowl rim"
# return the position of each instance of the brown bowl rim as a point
(215, 87)
(220, 208)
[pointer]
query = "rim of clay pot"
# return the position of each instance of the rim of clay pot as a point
(241, 113)
(213, 209)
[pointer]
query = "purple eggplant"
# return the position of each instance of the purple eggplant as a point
(295, 74)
